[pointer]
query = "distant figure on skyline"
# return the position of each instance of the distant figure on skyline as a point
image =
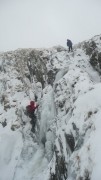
(69, 44)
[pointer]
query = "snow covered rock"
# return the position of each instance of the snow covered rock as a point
(67, 87)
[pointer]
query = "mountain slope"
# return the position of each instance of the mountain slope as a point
(67, 88)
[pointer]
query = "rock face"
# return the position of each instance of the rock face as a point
(93, 50)
(67, 88)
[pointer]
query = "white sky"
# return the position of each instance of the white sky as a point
(46, 23)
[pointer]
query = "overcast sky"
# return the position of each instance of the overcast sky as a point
(46, 23)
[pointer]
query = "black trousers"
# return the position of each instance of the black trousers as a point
(33, 121)
(70, 48)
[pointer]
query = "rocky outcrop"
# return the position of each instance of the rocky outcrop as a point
(92, 50)
(67, 90)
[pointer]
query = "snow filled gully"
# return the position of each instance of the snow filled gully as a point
(35, 157)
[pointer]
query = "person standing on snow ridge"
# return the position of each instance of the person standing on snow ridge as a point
(69, 44)
(30, 112)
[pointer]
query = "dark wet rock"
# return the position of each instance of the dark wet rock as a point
(4, 123)
(86, 175)
(89, 47)
(99, 59)
(7, 106)
(95, 56)
(51, 77)
(61, 103)
(76, 130)
(37, 67)
(15, 126)
(90, 114)
(70, 141)
(94, 59)
(61, 172)
(79, 142)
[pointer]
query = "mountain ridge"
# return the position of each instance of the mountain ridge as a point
(67, 87)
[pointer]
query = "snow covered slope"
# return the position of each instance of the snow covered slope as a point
(67, 86)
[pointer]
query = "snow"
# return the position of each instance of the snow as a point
(74, 98)
(10, 151)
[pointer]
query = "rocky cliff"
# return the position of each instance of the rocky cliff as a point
(67, 86)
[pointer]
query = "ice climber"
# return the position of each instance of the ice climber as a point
(30, 112)
(69, 44)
